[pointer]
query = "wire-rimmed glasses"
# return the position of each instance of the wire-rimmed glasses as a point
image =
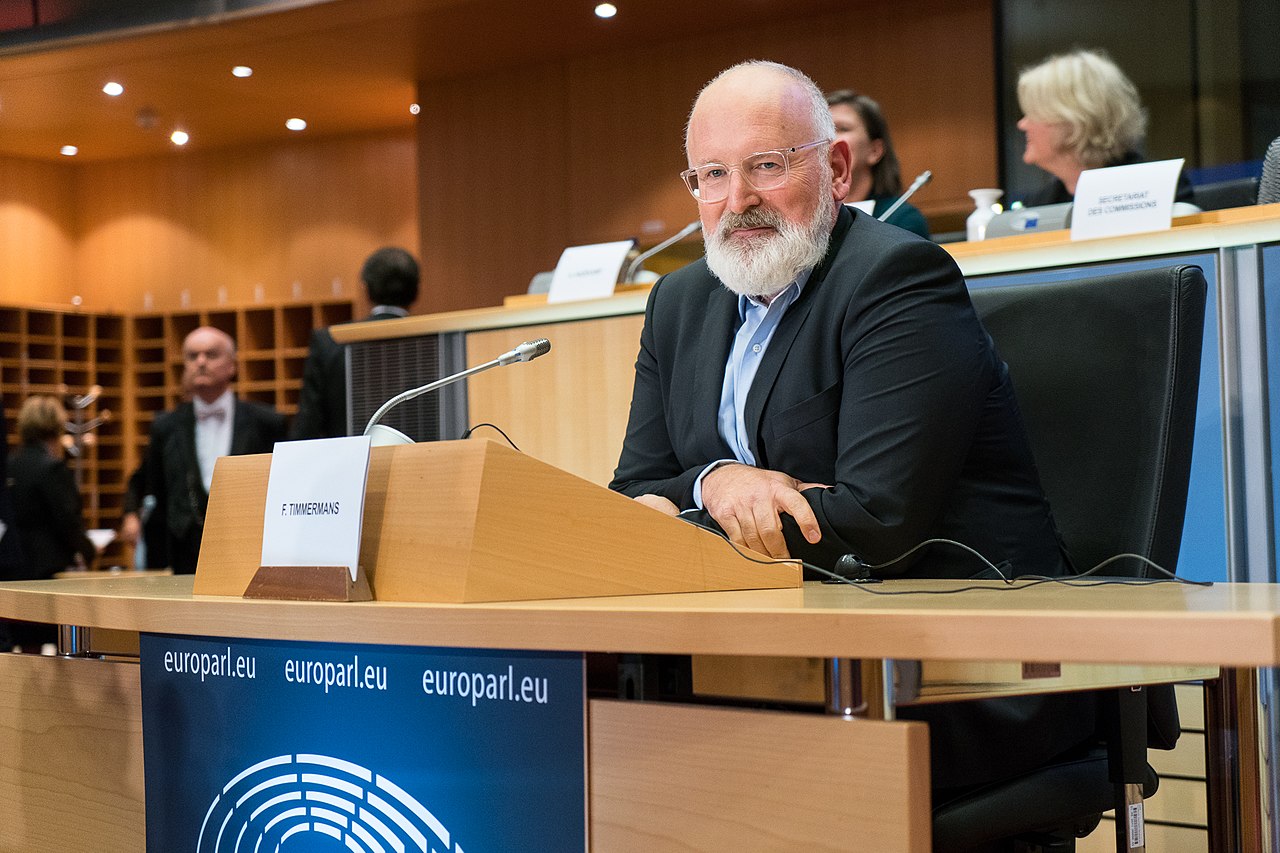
(764, 170)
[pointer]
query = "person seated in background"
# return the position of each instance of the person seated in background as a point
(876, 173)
(1080, 111)
(390, 277)
(48, 508)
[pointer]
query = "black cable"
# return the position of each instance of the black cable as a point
(494, 427)
(1011, 584)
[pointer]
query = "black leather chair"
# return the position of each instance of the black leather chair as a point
(1269, 186)
(1237, 192)
(1106, 371)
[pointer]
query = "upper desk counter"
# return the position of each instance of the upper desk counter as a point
(1234, 625)
(571, 408)
(1202, 231)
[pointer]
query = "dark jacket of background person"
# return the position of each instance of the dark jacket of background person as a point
(390, 277)
(173, 470)
(10, 547)
(322, 405)
(48, 513)
(1055, 191)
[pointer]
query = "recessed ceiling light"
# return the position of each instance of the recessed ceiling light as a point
(296, 124)
(69, 151)
(242, 71)
(113, 89)
(606, 10)
(179, 137)
(414, 109)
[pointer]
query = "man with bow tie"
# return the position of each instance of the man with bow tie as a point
(187, 441)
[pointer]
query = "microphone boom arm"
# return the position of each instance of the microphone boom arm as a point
(674, 238)
(526, 351)
(925, 177)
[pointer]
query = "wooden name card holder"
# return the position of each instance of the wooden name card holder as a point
(470, 521)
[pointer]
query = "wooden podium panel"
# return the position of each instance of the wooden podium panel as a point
(471, 521)
(695, 778)
(70, 755)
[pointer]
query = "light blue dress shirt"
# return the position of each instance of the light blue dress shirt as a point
(757, 323)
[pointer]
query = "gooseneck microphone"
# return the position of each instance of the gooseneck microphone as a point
(527, 351)
(924, 177)
(674, 238)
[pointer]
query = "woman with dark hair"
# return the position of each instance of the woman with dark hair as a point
(47, 506)
(876, 173)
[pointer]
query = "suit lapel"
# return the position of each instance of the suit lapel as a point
(241, 428)
(719, 326)
(785, 336)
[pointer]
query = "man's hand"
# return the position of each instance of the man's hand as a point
(130, 528)
(747, 501)
(659, 503)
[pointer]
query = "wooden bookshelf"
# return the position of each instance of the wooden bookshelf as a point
(137, 361)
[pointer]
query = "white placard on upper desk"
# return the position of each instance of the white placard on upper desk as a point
(1125, 199)
(867, 206)
(588, 272)
(315, 503)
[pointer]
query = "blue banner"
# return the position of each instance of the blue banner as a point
(258, 746)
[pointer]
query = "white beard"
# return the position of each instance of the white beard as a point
(762, 266)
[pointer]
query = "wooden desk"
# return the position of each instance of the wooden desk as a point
(1230, 625)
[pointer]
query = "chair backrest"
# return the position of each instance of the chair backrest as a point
(1269, 186)
(1220, 195)
(1106, 372)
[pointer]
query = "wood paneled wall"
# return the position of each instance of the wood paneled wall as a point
(504, 171)
(242, 226)
(37, 232)
(516, 165)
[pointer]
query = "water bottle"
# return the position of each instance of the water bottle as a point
(985, 208)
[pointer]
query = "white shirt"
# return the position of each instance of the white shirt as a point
(213, 433)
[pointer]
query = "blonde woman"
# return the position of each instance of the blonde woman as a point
(1080, 111)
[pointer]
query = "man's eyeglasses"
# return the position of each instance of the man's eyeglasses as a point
(765, 170)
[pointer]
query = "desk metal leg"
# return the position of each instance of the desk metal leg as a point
(1237, 765)
(73, 641)
(860, 688)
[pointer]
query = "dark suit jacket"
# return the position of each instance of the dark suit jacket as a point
(322, 404)
(1055, 192)
(173, 470)
(10, 553)
(49, 519)
(881, 382)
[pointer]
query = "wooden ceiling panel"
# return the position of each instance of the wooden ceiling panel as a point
(346, 66)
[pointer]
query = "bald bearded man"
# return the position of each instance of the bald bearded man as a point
(819, 385)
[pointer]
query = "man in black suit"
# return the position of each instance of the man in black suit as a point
(390, 277)
(819, 385)
(187, 441)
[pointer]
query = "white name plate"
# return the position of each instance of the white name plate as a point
(1125, 199)
(588, 272)
(315, 503)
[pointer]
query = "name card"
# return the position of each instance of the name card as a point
(588, 272)
(867, 206)
(315, 503)
(1125, 199)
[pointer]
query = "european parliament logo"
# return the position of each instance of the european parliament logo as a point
(258, 746)
(309, 802)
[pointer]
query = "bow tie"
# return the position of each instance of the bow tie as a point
(212, 415)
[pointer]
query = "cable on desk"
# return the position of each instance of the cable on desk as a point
(1011, 584)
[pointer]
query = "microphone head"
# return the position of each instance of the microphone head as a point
(529, 350)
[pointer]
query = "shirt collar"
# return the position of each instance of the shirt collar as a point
(222, 404)
(785, 297)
